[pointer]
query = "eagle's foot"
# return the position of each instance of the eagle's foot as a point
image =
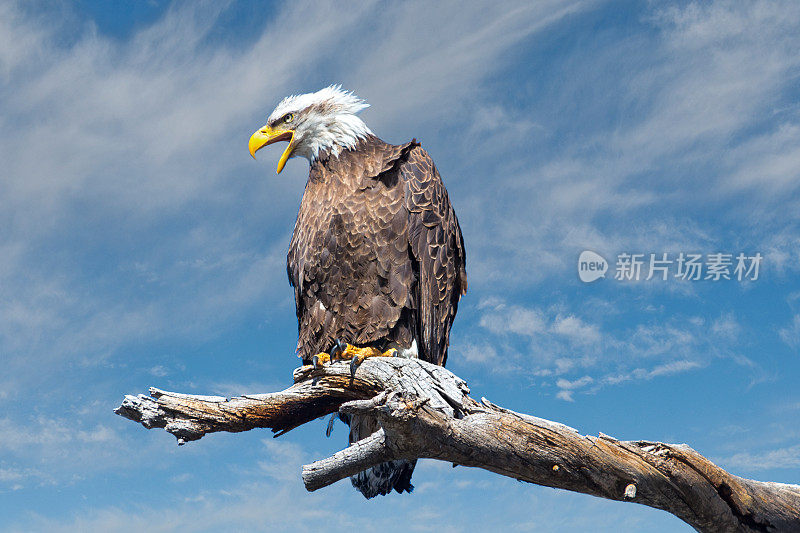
(358, 355)
(343, 351)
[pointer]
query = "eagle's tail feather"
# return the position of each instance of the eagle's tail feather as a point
(382, 478)
(385, 477)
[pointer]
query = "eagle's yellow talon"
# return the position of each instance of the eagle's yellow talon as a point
(358, 355)
(351, 353)
(320, 359)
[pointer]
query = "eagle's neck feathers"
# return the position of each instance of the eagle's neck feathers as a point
(331, 135)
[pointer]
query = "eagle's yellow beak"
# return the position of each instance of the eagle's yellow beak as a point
(267, 135)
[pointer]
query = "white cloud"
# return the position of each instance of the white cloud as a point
(790, 334)
(567, 388)
(723, 63)
(565, 395)
(51, 451)
(673, 367)
(702, 115)
(283, 460)
(230, 389)
(661, 370)
(478, 353)
(576, 330)
(657, 339)
(769, 163)
(726, 327)
(665, 369)
(576, 384)
(788, 457)
(159, 371)
(564, 345)
(782, 251)
(49, 432)
(428, 60)
(513, 319)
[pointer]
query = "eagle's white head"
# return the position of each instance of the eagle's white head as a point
(312, 123)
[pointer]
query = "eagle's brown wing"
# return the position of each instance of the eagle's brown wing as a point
(437, 246)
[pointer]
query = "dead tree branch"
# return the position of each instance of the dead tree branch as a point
(425, 412)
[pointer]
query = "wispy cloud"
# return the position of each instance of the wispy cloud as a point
(709, 121)
(665, 369)
(567, 387)
(791, 333)
(788, 457)
(285, 506)
(552, 344)
(726, 327)
(283, 460)
(576, 330)
(513, 319)
(53, 451)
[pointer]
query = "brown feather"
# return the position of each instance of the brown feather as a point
(378, 244)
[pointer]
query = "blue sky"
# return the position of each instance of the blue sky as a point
(141, 246)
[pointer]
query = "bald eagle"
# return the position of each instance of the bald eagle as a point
(377, 259)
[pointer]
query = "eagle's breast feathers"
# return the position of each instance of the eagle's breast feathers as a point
(377, 256)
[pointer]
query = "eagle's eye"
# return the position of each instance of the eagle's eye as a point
(288, 117)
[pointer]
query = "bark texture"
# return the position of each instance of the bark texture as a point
(425, 411)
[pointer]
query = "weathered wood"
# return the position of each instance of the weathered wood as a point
(425, 412)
